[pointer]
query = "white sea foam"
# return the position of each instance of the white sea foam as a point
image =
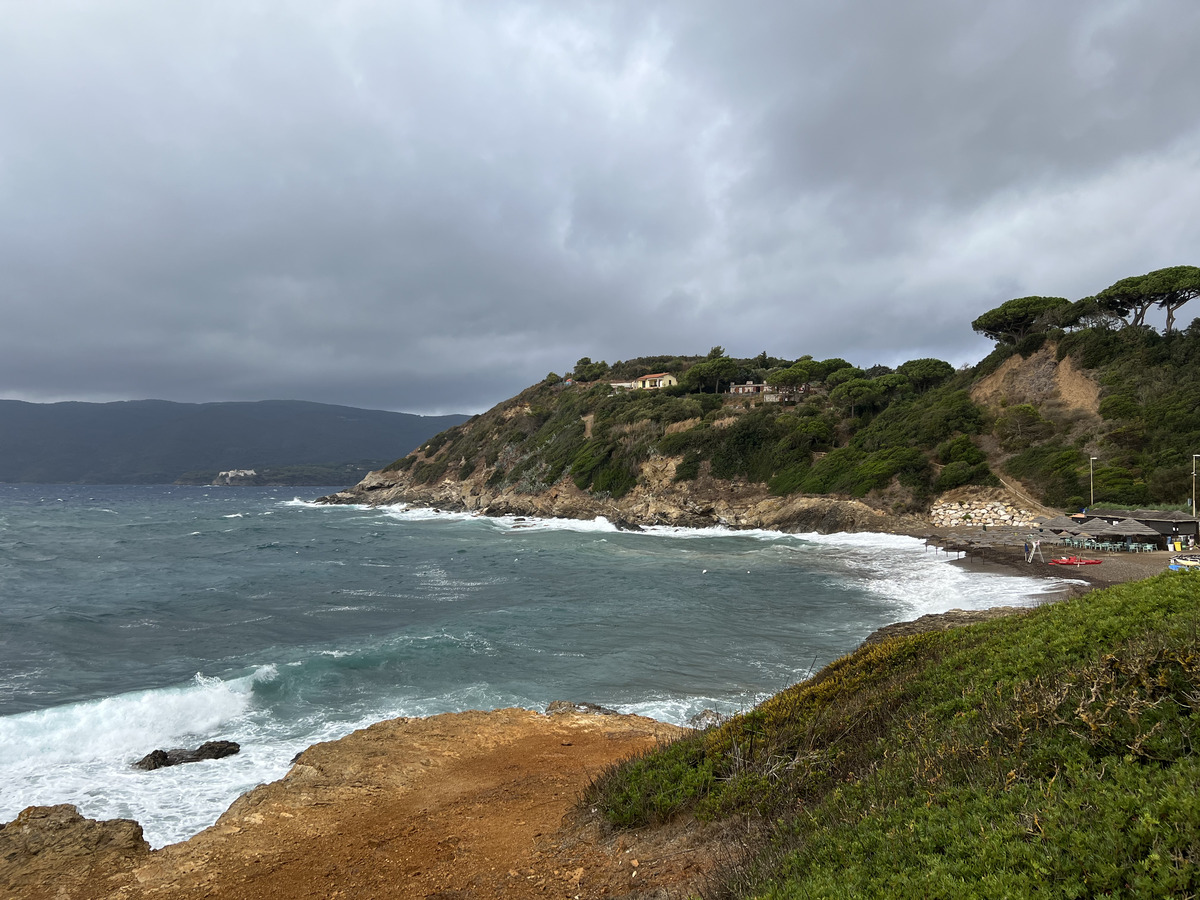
(82, 753)
(301, 503)
(682, 710)
(922, 580)
(899, 568)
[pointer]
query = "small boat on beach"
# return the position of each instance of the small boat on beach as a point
(1075, 561)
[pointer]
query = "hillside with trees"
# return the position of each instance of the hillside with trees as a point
(894, 438)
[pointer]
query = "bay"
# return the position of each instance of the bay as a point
(133, 618)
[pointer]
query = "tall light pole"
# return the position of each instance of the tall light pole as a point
(1092, 479)
(1195, 456)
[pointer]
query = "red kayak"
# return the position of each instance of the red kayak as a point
(1075, 561)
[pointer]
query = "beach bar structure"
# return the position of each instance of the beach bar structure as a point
(1160, 528)
(1168, 523)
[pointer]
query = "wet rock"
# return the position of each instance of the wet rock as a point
(558, 707)
(158, 759)
(623, 524)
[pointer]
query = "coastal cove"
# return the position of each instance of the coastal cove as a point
(162, 617)
(898, 578)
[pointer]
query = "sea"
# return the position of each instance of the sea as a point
(134, 618)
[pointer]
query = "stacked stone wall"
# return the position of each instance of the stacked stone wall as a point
(956, 513)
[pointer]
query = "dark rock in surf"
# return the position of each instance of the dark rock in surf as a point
(622, 524)
(158, 759)
(559, 707)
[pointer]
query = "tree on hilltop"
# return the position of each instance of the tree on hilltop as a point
(1168, 289)
(926, 373)
(797, 375)
(586, 370)
(1015, 319)
(713, 370)
(859, 394)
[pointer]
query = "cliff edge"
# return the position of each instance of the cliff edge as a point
(459, 805)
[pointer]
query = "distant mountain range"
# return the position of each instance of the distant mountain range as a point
(160, 442)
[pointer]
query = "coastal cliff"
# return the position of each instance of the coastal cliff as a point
(816, 457)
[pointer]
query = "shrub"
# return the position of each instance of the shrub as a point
(403, 464)
(1020, 426)
(1052, 754)
(689, 467)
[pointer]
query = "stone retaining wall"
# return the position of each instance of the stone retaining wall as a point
(952, 513)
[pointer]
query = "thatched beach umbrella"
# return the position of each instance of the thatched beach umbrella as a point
(1059, 523)
(1133, 528)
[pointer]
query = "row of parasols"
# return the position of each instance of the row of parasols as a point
(1125, 529)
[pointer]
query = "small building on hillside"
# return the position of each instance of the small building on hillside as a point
(235, 476)
(623, 385)
(768, 393)
(653, 382)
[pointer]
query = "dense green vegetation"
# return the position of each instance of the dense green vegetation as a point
(849, 432)
(1051, 754)
(895, 436)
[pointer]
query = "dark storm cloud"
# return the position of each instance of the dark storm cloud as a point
(428, 205)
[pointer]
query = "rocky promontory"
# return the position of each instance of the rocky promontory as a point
(656, 500)
(472, 804)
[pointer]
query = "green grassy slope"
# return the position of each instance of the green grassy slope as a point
(1051, 754)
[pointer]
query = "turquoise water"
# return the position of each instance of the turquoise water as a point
(143, 617)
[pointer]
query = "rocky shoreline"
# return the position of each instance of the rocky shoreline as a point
(959, 521)
(656, 500)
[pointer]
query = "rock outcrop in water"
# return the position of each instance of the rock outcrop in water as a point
(160, 759)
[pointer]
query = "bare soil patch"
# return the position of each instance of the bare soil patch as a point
(467, 805)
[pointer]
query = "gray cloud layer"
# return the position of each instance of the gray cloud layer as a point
(428, 205)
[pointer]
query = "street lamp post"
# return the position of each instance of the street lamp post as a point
(1092, 479)
(1195, 456)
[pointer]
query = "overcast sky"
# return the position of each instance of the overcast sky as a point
(426, 205)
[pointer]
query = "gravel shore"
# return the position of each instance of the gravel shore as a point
(975, 547)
